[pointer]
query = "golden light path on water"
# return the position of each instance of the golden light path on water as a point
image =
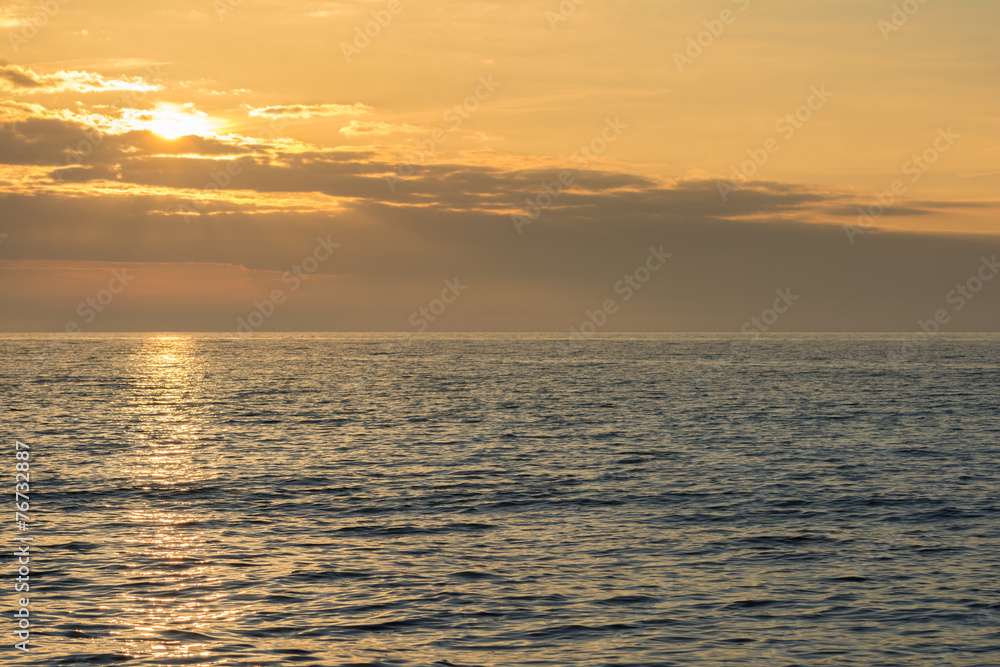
(167, 546)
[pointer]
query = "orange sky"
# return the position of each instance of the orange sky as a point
(534, 151)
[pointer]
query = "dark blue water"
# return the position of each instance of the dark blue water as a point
(508, 500)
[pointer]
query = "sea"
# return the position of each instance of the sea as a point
(503, 499)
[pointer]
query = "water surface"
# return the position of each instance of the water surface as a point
(509, 499)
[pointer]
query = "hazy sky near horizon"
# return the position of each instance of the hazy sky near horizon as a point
(181, 167)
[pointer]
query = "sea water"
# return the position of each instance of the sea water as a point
(506, 499)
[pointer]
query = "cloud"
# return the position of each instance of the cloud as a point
(311, 110)
(363, 127)
(126, 202)
(143, 158)
(123, 149)
(16, 79)
(722, 271)
(13, 14)
(66, 142)
(10, 110)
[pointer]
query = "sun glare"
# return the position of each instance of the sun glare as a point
(171, 121)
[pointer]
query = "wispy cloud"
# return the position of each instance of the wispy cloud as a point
(138, 146)
(363, 127)
(12, 15)
(16, 79)
(311, 110)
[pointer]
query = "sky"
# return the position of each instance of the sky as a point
(584, 165)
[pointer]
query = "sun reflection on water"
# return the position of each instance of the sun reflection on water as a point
(173, 601)
(163, 415)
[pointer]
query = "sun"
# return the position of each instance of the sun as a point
(172, 121)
